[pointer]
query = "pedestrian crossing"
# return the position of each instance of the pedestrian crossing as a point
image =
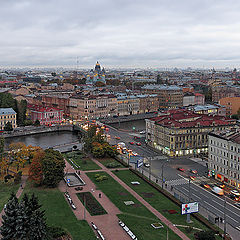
(176, 182)
(182, 181)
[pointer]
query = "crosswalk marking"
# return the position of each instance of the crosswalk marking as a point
(238, 228)
(175, 182)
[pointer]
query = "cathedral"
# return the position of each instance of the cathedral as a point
(96, 75)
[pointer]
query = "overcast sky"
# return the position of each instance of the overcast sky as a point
(133, 33)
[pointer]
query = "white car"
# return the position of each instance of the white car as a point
(147, 165)
(142, 132)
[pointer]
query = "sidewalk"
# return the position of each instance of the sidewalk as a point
(146, 204)
(103, 222)
(18, 194)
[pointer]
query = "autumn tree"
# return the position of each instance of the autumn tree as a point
(35, 170)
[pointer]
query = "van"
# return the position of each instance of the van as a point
(218, 191)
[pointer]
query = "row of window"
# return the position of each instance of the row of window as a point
(226, 171)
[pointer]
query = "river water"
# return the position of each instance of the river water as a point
(45, 140)
(137, 125)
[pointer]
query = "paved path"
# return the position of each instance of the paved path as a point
(18, 194)
(146, 204)
(108, 223)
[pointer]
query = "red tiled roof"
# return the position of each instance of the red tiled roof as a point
(181, 118)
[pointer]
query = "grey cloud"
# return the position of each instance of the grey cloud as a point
(120, 32)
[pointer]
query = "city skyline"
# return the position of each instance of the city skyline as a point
(199, 34)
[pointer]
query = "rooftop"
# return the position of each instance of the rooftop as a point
(6, 111)
(182, 118)
(232, 135)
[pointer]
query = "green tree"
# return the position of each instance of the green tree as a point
(37, 123)
(38, 227)
(2, 145)
(98, 151)
(8, 127)
(21, 111)
(53, 165)
(9, 219)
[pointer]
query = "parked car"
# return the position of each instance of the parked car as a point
(136, 137)
(147, 165)
(132, 143)
(138, 144)
(180, 169)
(73, 206)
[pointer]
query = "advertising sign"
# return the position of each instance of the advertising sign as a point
(189, 208)
(139, 162)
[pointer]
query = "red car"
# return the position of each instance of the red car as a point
(132, 143)
(118, 138)
(180, 169)
(136, 137)
(138, 144)
(192, 178)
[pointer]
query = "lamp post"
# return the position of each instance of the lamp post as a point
(225, 223)
(162, 170)
(189, 199)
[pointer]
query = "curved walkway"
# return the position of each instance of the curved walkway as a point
(107, 223)
(18, 194)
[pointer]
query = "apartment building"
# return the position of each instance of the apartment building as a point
(7, 115)
(128, 105)
(93, 106)
(224, 156)
(169, 96)
(232, 104)
(148, 103)
(57, 101)
(183, 132)
(223, 91)
(46, 115)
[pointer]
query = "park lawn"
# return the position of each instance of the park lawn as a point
(59, 213)
(118, 194)
(84, 163)
(106, 161)
(5, 192)
(159, 201)
(143, 230)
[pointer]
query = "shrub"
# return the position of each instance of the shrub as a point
(97, 175)
(189, 229)
(55, 232)
(113, 165)
(101, 178)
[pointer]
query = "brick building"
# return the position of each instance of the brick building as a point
(46, 115)
(232, 104)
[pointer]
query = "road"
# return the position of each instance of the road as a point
(208, 201)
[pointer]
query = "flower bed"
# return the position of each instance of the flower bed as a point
(91, 203)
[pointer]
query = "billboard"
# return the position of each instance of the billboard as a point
(189, 208)
(139, 163)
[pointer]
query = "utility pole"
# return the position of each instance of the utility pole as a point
(189, 199)
(162, 171)
(225, 223)
(150, 168)
(167, 232)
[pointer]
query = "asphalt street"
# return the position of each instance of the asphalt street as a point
(180, 180)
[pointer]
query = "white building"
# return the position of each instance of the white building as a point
(224, 156)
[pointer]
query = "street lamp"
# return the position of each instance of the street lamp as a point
(162, 170)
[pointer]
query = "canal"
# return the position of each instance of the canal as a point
(137, 125)
(45, 140)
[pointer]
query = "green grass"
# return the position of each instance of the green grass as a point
(83, 162)
(59, 213)
(138, 218)
(106, 161)
(5, 191)
(159, 201)
(91, 203)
